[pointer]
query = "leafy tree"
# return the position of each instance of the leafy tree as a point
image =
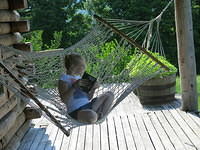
(73, 19)
(196, 28)
(57, 16)
(146, 10)
(48, 16)
(76, 29)
(35, 37)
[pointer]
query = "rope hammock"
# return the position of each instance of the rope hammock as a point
(112, 54)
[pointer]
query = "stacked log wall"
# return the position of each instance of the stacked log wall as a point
(15, 115)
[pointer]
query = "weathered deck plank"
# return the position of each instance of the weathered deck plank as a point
(143, 131)
(37, 139)
(50, 144)
(112, 134)
(45, 140)
(127, 134)
(153, 133)
(195, 140)
(73, 140)
(178, 130)
(170, 132)
(104, 136)
(96, 137)
(135, 133)
(89, 137)
(119, 133)
(65, 143)
(81, 138)
(191, 123)
(129, 127)
(161, 132)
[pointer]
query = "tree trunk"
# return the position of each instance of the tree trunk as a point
(186, 54)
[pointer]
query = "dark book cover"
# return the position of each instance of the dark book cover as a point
(91, 80)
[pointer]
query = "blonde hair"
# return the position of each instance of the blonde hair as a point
(72, 59)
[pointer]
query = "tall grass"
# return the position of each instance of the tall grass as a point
(178, 88)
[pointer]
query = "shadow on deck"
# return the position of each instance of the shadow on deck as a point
(130, 126)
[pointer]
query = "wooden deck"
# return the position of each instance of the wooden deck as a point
(128, 127)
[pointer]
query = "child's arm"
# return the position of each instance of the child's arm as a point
(91, 92)
(65, 91)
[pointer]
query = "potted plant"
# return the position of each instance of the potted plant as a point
(161, 88)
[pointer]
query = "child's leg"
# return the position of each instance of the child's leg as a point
(103, 103)
(87, 116)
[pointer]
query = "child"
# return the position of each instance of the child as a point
(79, 103)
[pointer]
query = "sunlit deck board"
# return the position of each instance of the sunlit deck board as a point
(129, 127)
(81, 138)
(104, 136)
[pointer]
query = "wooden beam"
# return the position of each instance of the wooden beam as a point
(20, 26)
(186, 54)
(17, 137)
(5, 28)
(9, 16)
(18, 123)
(27, 46)
(17, 4)
(10, 39)
(9, 105)
(4, 4)
(13, 4)
(32, 113)
(9, 120)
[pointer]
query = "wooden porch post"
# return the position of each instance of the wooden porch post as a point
(186, 54)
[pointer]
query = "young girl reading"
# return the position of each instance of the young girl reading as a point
(80, 104)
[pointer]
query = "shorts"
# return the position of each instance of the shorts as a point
(74, 113)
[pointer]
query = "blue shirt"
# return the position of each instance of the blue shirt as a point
(79, 97)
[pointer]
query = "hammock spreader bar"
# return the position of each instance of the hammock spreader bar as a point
(131, 41)
(33, 97)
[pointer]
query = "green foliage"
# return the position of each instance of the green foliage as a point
(57, 16)
(196, 28)
(55, 43)
(47, 67)
(109, 57)
(35, 37)
(74, 20)
(48, 70)
(146, 10)
(136, 65)
(75, 29)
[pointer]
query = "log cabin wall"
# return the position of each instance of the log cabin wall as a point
(15, 115)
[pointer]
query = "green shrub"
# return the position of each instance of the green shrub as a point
(35, 37)
(136, 65)
(109, 57)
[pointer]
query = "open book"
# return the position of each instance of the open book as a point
(91, 80)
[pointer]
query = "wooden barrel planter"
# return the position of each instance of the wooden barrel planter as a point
(157, 90)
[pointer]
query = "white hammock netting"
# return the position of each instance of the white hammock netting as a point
(118, 65)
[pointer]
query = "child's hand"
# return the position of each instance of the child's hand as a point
(96, 85)
(84, 83)
(92, 90)
(80, 83)
(76, 84)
